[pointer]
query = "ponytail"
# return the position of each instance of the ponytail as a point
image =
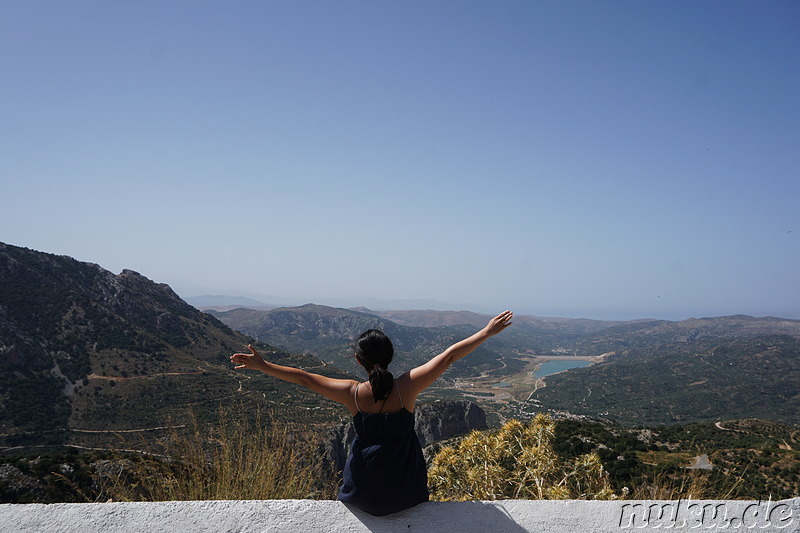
(381, 381)
(374, 351)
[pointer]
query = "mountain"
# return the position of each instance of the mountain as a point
(430, 319)
(638, 337)
(329, 332)
(695, 370)
(85, 352)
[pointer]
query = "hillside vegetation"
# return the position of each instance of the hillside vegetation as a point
(754, 377)
(85, 354)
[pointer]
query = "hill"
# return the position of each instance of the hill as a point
(699, 381)
(85, 353)
(641, 337)
(328, 333)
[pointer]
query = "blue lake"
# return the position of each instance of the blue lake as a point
(552, 367)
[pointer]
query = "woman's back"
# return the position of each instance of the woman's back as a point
(401, 396)
(385, 471)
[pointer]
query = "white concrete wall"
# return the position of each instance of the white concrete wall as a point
(330, 516)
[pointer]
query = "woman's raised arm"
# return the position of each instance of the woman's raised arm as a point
(338, 390)
(421, 377)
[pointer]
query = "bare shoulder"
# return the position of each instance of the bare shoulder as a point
(408, 391)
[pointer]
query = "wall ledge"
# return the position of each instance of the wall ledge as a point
(515, 516)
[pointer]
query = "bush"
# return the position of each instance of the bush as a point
(519, 462)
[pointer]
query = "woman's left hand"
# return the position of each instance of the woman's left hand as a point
(248, 360)
(499, 323)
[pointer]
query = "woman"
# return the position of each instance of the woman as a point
(385, 471)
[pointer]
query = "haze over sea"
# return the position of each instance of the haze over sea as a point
(609, 160)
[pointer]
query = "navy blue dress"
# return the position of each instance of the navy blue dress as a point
(385, 472)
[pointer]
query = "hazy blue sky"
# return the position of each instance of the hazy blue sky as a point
(593, 159)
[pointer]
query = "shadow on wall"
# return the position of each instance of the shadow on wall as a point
(452, 516)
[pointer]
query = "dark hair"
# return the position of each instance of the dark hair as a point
(374, 351)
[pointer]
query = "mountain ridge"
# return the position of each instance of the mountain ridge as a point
(84, 352)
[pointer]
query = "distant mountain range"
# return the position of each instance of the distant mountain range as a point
(654, 371)
(85, 353)
(221, 301)
(328, 333)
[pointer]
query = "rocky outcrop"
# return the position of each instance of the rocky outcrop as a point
(442, 420)
(13, 483)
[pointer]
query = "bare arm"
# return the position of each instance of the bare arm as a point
(422, 376)
(338, 390)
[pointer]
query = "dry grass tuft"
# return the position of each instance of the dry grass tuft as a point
(236, 460)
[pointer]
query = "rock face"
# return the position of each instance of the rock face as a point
(432, 422)
(442, 420)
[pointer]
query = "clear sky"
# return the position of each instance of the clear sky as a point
(583, 159)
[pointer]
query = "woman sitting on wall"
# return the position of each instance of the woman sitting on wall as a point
(385, 471)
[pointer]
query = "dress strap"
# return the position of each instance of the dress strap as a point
(400, 395)
(355, 395)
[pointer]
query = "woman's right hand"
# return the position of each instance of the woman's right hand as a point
(499, 323)
(248, 360)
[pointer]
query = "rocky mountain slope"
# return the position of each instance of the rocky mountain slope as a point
(85, 352)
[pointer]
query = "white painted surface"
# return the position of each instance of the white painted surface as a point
(514, 516)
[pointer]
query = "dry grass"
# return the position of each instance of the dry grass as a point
(236, 460)
(692, 485)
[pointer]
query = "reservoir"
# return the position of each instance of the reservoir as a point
(552, 367)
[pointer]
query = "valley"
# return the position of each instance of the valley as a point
(96, 361)
(641, 372)
(504, 396)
